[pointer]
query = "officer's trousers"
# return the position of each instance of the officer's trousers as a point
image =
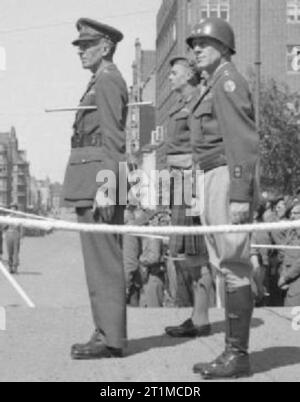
(105, 279)
(13, 248)
(228, 253)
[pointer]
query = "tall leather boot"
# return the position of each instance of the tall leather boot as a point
(234, 361)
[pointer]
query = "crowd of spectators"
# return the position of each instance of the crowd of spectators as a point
(277, 271)
(152, 280)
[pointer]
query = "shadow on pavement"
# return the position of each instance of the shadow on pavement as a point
(274, 358)
(137, 346)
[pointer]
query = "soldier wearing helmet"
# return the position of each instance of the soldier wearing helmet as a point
(225, 148)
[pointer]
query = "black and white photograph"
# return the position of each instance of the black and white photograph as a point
(149, 194)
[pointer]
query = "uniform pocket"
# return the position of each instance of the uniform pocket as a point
(182, 115)
(81, 156)
(81, 174)
(205, 108)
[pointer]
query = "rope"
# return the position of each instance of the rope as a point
(25, 214)
(149, 230)
(275, 247)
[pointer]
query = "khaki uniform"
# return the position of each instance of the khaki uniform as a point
(225, 148)
(179, 158)
(98, 144)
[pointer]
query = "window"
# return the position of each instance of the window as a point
(215, 8)
(293, 59)
(293, 11)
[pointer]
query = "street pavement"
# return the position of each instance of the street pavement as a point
(36, 343)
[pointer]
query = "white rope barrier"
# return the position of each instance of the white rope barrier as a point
(149, 230)
(275, 247)
(25, 214)
(16, 286)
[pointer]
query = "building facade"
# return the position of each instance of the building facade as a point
(280, 39)
(141, 117)
(14, 172)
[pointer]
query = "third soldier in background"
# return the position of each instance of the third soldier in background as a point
(194, 280)
(225, 147)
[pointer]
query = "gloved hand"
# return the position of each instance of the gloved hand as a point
(282, 283)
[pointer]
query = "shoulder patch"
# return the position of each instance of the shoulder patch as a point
(229, 86)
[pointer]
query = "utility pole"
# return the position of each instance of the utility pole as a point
(258, 64)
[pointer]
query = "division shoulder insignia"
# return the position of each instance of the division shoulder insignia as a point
(229, 86)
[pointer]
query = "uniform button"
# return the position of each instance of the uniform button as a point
(83, 161)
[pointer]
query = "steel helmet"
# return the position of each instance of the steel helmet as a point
(214, 28)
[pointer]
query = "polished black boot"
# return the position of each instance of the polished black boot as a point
(95, 348)
(188, 330)
(235, 361)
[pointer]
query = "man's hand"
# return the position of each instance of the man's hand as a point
(105, 205)
(282, 284)
(239, 212)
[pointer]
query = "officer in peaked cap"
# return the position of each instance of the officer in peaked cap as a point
(97, 145)
(90, 30)
(225, 146)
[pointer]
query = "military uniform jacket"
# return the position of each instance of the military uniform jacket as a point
(179, 138)
(98, 142)
(223, 131)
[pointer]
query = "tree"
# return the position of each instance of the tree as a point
(279, 134)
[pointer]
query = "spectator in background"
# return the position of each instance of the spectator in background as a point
(267, 263)
(259, 258)
(289, 281)
(152, 267)
(132, 248)
(282, 208)
(13, 240)
(297, 195)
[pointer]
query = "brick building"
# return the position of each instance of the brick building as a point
(141, 118)
(280, 39)
(14, 171)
